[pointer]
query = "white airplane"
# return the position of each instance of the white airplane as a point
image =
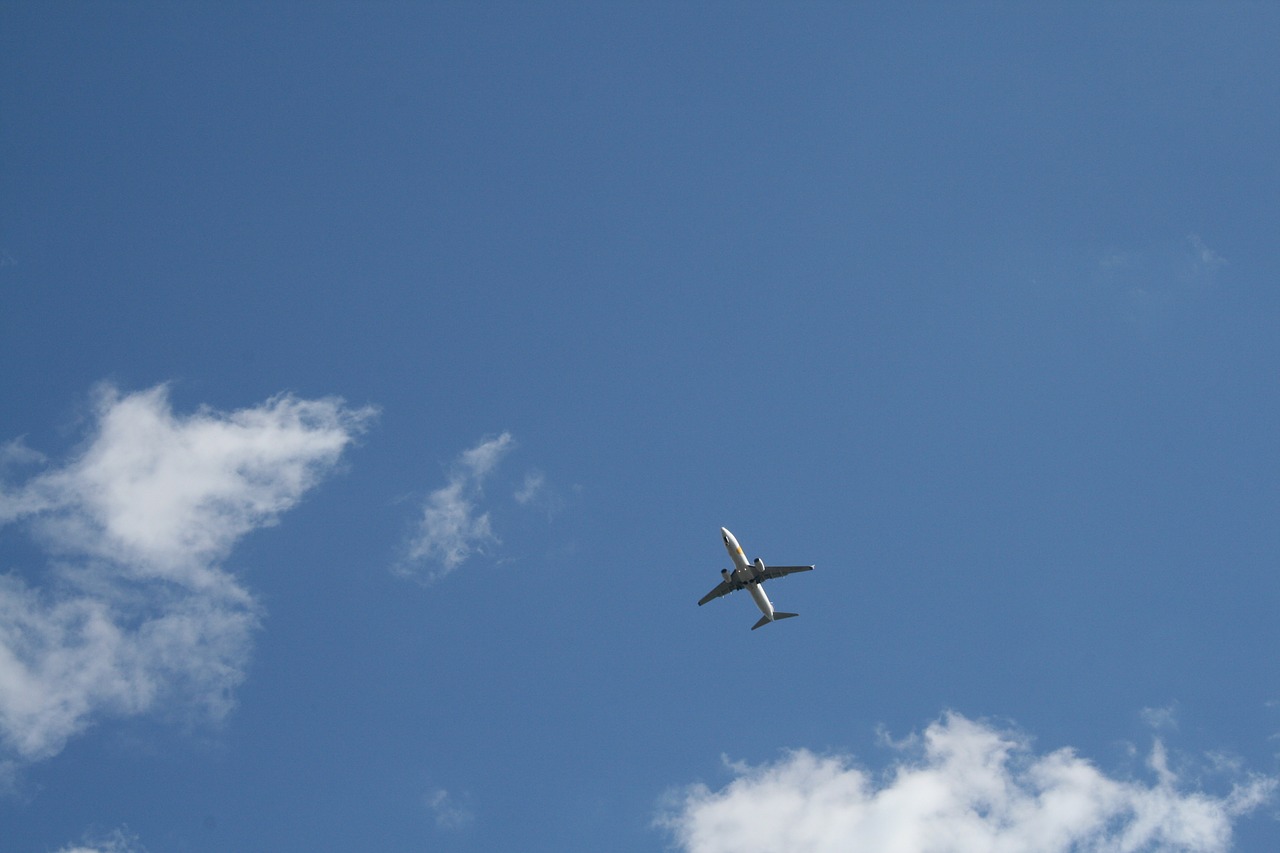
(751, 576)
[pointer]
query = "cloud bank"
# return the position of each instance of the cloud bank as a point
(135, 612)
(963, 786)
(452, 526)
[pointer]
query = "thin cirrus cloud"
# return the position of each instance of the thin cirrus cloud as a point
(533, 487)
(1161, 282)
(135, 613)
(453, 526)
(119, 841)
(964, 786)
(449, 813)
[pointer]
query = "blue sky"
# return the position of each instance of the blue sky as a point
(377, 378)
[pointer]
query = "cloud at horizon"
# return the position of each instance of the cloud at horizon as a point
(961, 786)
(133, 610)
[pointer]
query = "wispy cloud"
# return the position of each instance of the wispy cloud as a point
(448, 812)
(479, 462)
(534, 485)
(119, 841)
(15, 454)
(1163, 280)
(962, 786)
(1161, 719)
(135, 611)
(453, 526)
(536, 492)
(1206, 259)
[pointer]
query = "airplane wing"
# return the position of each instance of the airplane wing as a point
(771, 572)
(722, 588)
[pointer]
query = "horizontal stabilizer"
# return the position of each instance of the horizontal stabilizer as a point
(765, 620)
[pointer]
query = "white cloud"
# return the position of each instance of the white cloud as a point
(449, 813)
(962, 786)
(167, 496)
(453, 527)
(136, 610)
(479, 461)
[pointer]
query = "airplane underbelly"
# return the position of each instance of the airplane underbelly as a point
(762, 600)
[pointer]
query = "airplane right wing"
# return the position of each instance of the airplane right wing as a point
(722, 588)
(771, 572)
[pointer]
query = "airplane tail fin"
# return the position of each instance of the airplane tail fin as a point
(765, 620)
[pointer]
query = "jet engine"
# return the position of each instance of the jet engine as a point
(724, 573)
(758, 569)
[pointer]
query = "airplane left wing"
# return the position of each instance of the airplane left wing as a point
(771, 572)
(722, 588)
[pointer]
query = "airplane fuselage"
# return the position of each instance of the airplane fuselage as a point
(744, 572)
(750, 576)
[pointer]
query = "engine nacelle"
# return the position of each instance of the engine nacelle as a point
(758, 568)
(724, 573)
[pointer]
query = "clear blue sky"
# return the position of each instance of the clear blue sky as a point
(376, 378)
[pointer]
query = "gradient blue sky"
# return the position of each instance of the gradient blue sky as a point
(973, 306)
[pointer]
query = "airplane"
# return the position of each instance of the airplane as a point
(752, 577)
